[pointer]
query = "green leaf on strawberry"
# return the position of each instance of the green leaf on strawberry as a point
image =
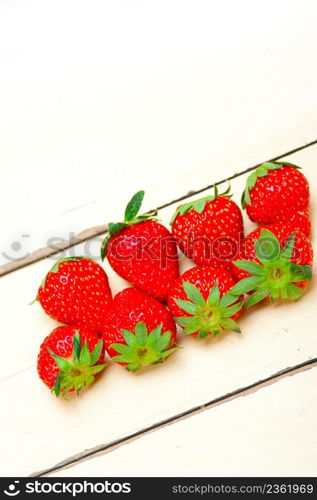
(199, 205)
(79, 371)
(143, 347)
(133, 206)
(130, 217)
(274, 276)
(207, 316)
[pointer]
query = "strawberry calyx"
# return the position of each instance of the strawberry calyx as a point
(143, 347)
(79, 372)
(55, 269)
(199, 204)
(208, 316)
(130, 218)
(262, 171)
(275, 276)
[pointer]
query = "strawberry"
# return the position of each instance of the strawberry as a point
(201, 302)
(275, 190)
(208, 230)
(299, 221)
(138, 330)
(142, 251)
(76, 291)
(275, 262)
(69, 359)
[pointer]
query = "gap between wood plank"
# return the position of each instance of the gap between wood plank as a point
(93, 232)
(243, 391)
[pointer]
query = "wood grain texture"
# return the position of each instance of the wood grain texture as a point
(224, 399)
(267, 433)
(273, 339)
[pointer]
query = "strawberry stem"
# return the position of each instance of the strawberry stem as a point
(80, 370)
(275, 275)
(143, 348)
(207, 316)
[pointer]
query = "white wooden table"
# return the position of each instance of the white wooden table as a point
(170, 98)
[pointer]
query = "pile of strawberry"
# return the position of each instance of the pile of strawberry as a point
(138, 326)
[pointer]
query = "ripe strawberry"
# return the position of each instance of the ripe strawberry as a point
(299, 221)
(69, 359)
(142, 251)
(208, 230)
(76, 291)
(138, 328)
(201, 302)
(273, 259)
(275, 190)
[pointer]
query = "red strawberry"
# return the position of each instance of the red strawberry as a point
(299, 221)
(273, 259)
(142, 251)
(208, 230)
(76, 291)
(138, 328)
(275, 190)
(69, 359)
(200, 300)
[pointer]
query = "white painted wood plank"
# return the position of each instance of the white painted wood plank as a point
(273, 338)
(271, 432)
(149, 94)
